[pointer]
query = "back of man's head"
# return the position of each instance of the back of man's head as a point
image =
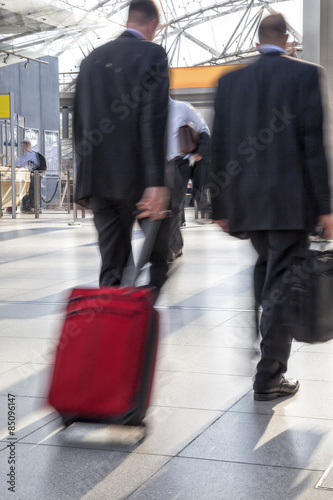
(273, 29)
(142, 12)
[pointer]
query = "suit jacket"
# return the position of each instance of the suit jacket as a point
(120, 117)
(269, 169)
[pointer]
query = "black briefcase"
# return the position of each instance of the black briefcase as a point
(310, 296)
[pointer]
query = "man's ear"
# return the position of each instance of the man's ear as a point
(285, 39)
(153, 27)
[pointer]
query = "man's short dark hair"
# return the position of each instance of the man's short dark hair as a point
(143, 11)
(272, 27)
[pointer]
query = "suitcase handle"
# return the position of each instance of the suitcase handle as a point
(150, 229)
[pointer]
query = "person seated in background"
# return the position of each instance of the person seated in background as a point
(185, 166)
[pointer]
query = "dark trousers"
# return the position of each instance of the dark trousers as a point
(198, 174)
(31, 191)
(276, 250)
(114, 222)
(181, 173)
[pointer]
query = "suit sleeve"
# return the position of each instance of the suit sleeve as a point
(204, 145)
(81, 122)
(218, 162)
(153, 118)
(312, 137)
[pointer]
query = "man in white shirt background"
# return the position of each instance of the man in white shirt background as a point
(30, 160)
(186, 166)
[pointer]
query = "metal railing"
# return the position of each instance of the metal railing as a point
(67, 82)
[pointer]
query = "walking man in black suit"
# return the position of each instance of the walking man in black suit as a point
(270, 179)
(121, 108)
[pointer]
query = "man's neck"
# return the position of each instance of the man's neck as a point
(136, 31)
(265, 48)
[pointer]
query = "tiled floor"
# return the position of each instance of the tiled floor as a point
(208, 438)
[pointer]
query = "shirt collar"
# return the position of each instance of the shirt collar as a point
(136, 33)
(265, 48)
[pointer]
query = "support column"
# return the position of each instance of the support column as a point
(318, 48)
(318, 36)
(65, 122)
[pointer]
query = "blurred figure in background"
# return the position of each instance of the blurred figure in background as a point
(270, 178)
(186, 165)
(121, 109)
(29, 160)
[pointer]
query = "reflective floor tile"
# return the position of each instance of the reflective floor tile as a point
(195, 316)
(53, 473)
(134, 471)
(202, 359)
(326, 347)
(29, 414)
(313, 400)
(241, 337)
(21, 350)
(266, 440)
(312, 366)
(219, 302)
(199, 391)
(6, 367)
(169, 430)
(29, 379)
(38, 328)
(182, 334)
(28, 310)
(188, 479)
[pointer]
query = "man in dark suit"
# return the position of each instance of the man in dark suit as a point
(270, 179)
(121, 108)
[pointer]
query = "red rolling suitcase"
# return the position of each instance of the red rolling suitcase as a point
(106, 355)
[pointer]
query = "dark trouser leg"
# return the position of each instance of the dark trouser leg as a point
(114, 222)
(198, 175)
(159, 256)
(178, 193)
(276, 250)
(260, 276)
(182, 214)
(176, 242)
(32, 191)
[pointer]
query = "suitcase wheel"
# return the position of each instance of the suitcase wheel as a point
(67, 421)
(135, 423)
(141, 425)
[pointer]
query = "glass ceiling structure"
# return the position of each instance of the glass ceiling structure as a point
(194, 32)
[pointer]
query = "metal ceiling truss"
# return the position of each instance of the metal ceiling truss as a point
(52, 27)
(240, 43)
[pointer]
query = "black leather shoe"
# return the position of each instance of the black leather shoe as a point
(283, 389)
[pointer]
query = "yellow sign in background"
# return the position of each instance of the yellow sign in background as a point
(5, 106)
(199, 77)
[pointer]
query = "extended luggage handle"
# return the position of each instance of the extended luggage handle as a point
(150, 228)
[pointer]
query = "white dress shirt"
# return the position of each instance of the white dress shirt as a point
(29, 160)
(265, 48)
(180, 114)
(136, 33)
